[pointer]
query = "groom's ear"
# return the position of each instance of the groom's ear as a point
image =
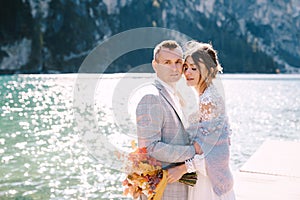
(154, 65)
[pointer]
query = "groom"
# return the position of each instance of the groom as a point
(159, 118)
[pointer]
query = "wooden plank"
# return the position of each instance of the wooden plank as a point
(250, 186)
(279, 158)
(272, 172)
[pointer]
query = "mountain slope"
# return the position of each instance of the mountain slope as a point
(255, 36)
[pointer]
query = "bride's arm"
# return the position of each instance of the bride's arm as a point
(206, 113)
(197, 163)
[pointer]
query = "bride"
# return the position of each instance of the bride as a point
(215, 181)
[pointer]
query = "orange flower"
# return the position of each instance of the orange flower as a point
(146, 176)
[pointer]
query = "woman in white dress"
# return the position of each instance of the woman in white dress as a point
(215, 180)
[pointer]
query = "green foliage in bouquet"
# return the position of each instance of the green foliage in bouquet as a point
(189, 179)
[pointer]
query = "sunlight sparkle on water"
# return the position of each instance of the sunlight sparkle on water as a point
(42, 154)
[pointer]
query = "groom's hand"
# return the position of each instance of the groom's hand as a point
(198, 149)
(175, 173)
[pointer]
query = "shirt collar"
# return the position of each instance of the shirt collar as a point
(167, 86)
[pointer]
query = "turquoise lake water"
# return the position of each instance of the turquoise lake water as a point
(49, 122)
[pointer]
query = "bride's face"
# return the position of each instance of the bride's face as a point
(191, 72)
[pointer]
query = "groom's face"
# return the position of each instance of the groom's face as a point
(168, 64)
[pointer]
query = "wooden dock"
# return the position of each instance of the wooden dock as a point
(272, 172)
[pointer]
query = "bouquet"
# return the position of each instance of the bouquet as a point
(146, 176)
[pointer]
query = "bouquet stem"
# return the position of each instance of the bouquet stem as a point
(189, 179)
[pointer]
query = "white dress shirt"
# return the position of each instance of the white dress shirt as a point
(173, 94)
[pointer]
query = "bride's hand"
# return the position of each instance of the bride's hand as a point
(175, 173)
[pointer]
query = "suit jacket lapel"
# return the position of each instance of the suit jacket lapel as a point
(166, 95)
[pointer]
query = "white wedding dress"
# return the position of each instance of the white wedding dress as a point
(203, 190)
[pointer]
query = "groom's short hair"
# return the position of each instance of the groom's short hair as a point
(170, 44)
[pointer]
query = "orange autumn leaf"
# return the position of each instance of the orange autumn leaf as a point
(145, 175)
(133, 144)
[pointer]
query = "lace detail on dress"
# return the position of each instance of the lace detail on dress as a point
(190, 166)
(211, 106)
(197, 163)
(194, 117)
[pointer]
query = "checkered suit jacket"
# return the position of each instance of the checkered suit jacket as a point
(160, 129)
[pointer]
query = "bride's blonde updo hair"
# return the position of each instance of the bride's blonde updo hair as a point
(206, 54)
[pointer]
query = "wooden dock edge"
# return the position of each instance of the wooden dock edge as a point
(272, 172)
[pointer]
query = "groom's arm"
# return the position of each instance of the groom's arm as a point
(150, 120)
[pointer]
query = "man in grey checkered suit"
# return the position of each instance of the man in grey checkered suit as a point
(159, 118)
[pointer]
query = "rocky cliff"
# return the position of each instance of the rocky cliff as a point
(47, 36)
